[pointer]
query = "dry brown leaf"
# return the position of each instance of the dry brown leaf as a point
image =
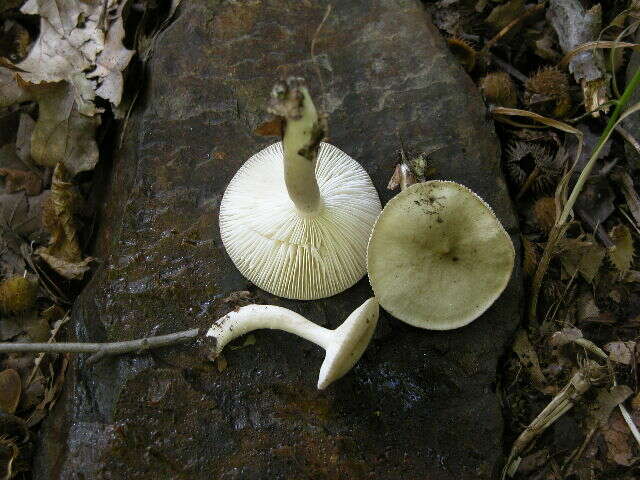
(63, 253)
(10, 390)
(619, 441)
(17, 180)
(621, 255)
(621, 352)
(62, 133)
(529, 359)
(583, 257)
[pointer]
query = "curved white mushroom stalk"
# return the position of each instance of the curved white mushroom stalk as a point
(344, 346)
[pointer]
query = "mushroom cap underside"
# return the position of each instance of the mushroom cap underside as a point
(289, 254)
(350, 341)
(438, 257)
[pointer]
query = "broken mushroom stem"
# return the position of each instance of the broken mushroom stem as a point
(344, 345)
(303, 133)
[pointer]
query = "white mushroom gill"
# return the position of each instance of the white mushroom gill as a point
(295, 226)
(344, 346)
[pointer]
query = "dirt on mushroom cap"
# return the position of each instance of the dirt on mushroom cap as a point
(438, 257)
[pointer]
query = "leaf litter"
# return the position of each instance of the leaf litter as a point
(566, 60)
(59, 84)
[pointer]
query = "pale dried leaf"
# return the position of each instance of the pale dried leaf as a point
(80, 45)
(621, 352)
(69, 270)
(565, 336)
(621, 255)
(574, 26)
(110, 63)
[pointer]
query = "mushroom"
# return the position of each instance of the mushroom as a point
(344, 346)
(438, 257)
(296, 217)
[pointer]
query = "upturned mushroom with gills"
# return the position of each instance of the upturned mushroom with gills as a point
(344, 346)
(296, 217)
(438, 257)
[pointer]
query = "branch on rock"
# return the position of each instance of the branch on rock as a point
(101, 350)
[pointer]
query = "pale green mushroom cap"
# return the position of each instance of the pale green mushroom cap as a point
(438, 257)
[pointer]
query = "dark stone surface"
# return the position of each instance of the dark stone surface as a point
(418, 405)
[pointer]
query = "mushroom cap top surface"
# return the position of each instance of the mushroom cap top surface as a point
(350, 340)
(285, 252)
(438, 257)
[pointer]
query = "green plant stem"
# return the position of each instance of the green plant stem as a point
(577, 189)
(560, 226)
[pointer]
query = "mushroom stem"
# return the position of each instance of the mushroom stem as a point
(300, 143)
(255, 317)
(344, 346)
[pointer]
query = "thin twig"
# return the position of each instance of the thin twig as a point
(315, 61)
(114, 348)
(510, 69)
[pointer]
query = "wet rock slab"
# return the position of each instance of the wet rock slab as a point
(418, 405)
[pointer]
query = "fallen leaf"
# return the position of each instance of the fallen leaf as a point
(10, 390)
(619, 441)
(23, 138)
(529, 359)
(59, 218)
(621, 255)
(112, 60)
(62, 133)
(621, 352)
(68, 269)
(565, 336)
(10, 92)
(587, 309)
(80, 42)
(17, 180)
(580, 256)
(605, 401)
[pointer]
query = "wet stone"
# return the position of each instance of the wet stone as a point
(418, 405)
